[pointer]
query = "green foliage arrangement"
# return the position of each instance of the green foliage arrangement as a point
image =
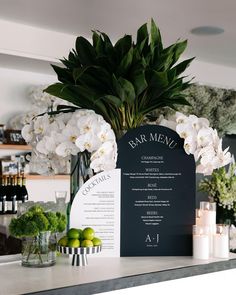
(126, 81)
(36, 220)
(216, 104)
(221, 187)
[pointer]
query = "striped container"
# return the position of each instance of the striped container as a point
(79, 254)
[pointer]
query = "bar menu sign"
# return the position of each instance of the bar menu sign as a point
(157, 193)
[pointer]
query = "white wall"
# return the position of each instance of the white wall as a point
(14, 87)
(212, 74)
(23, 40)
(44, 190)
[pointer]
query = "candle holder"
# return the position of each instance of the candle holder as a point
(200, 242)
(210, 206)
(221, 241)
(208, 213)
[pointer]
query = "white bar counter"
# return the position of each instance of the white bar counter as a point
(103, 274)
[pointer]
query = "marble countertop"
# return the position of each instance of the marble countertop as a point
(103, 274)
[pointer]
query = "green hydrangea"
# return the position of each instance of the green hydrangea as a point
(36, 220)
(209, 102)
(214, 104)
(221, 186)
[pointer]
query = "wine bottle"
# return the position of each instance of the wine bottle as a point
(18, 188)
(24, 192)
(11, 196)
(8, 188)
(3, 203)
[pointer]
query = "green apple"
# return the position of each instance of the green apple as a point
(80, 233)
(97, 241)
(63, 241)
(73, 243)
(73, 233)
(86, 243)
(88, 233)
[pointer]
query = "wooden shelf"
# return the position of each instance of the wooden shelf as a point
(7, 150)
(12, 149)
(19, 147)
(46, 177)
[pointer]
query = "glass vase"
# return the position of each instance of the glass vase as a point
(40, 250)
(80, 173)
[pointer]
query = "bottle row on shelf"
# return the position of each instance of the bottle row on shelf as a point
(12, 192)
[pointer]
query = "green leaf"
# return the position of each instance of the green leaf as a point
(71, 61)
(180, 100)
(63, 74)
(137, 77)
(85, 51)
(143, 47)
(113, 99)
(57, 90)
(96, 38)
(142, 34)
(98, 43)
(93, 77)
(171, 75)
(78, 95)
(128, 88)
(123, 89)
(117, 88)
(122, 46)
(125, 63)
(77, 73)
(179, 48)
(155, 37)
(161, 61)
(181, 67)
(107, 44)
(136, 56)
(159, 79)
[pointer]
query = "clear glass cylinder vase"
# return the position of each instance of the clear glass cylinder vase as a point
(40, 250)
(80, 173)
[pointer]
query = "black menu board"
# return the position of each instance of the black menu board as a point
(157, 193)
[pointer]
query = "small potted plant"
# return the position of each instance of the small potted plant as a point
(37, 229)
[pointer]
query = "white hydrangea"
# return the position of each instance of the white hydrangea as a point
(200, 140)
(55, 138)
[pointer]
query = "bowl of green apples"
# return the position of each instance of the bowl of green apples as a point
(79, 243)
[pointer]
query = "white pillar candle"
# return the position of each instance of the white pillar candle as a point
(208, 213)
(221, 241)
(200, 242)
(208, 218)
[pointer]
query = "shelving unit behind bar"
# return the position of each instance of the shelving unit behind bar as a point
(19, 147)
(13, 149)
